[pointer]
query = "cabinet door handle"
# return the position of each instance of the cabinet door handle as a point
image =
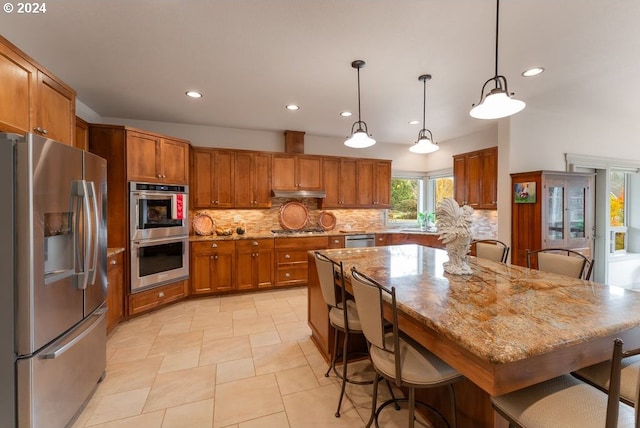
(255, 243)
(215, 257)
(215, 202)
(214, 245)
(287, 256)
(41, 130)
(287, 275)
(159, 175)
(161, 294)
(113, 262)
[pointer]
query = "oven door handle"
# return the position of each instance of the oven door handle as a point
(156, 241)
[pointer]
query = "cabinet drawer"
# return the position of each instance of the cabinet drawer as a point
(336, 242)
(291, 275)
(207, 247)
(149, 299)
(291, 256)
(249, 244)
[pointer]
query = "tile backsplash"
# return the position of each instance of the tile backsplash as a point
(258, 221)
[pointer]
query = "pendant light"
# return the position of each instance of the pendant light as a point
(360, 137)
(499, 102)
(425, 143)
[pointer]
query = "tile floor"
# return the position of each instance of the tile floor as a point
(240, 361)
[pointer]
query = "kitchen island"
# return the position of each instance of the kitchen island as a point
(503, 327)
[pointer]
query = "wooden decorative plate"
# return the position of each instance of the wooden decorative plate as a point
(203, 224)
(293, 216)
(327, 220)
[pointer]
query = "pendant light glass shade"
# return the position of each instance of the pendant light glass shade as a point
(425, 143)
(498, 102)
(360, 137)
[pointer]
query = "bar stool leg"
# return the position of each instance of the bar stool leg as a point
(334, 357)
(345, 345)
(374, 402)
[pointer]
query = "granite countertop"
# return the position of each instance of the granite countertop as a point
(500, 313)
(269, 234)
(113, 251)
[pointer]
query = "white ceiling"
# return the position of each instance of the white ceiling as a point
(135, 59)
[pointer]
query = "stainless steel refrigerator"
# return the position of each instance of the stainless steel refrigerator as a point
(53, 276)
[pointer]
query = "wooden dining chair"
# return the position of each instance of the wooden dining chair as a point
(394, 356)
(568, 402)
(343, 317)
(563, 261)
(491, 249)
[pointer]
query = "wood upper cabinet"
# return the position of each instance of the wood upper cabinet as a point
(254, 263)
(296, 172)
(340, 182)
(559, 216)
(252, 180)
(81, 139)
(476, 178)
(212, 178)
(56, 110)
(374, 183)
(156, 159)
(32, 99)
(212, 267)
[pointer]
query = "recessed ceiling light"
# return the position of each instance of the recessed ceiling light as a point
(292, 107)
(532, 72)
(345, 113)
(193, 94)
(414, 122)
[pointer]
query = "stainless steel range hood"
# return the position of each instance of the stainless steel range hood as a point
(298, 193)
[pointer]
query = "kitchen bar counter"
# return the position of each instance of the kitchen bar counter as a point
(504, 327)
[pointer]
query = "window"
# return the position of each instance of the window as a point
(406, 199)
(410, 195)
(617, 211)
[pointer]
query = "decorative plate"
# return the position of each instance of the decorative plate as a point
(203, 224)
(293, 216)
(327, 220)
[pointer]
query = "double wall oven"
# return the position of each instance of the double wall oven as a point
(159, 234)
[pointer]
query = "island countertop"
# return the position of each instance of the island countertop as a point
(501, 315)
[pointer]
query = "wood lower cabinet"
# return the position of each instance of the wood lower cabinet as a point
(254, 264)
(115, 290)
(144, 301)
(383, 239)
(32, 99)
(154, 158)
(475, 177)
(212, 267)
(336, 242)
(291, 258)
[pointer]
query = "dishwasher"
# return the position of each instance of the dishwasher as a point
(360, 240)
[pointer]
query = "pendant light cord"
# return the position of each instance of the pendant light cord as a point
(497, 29)
(424, 105)
(359, 113)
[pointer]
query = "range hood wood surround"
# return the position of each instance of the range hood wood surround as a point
(294, 144)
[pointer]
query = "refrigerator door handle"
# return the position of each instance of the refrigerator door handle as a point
(92, 239)
(82, 191)
(61, 348)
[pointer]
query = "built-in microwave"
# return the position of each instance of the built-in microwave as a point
(158, 210)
